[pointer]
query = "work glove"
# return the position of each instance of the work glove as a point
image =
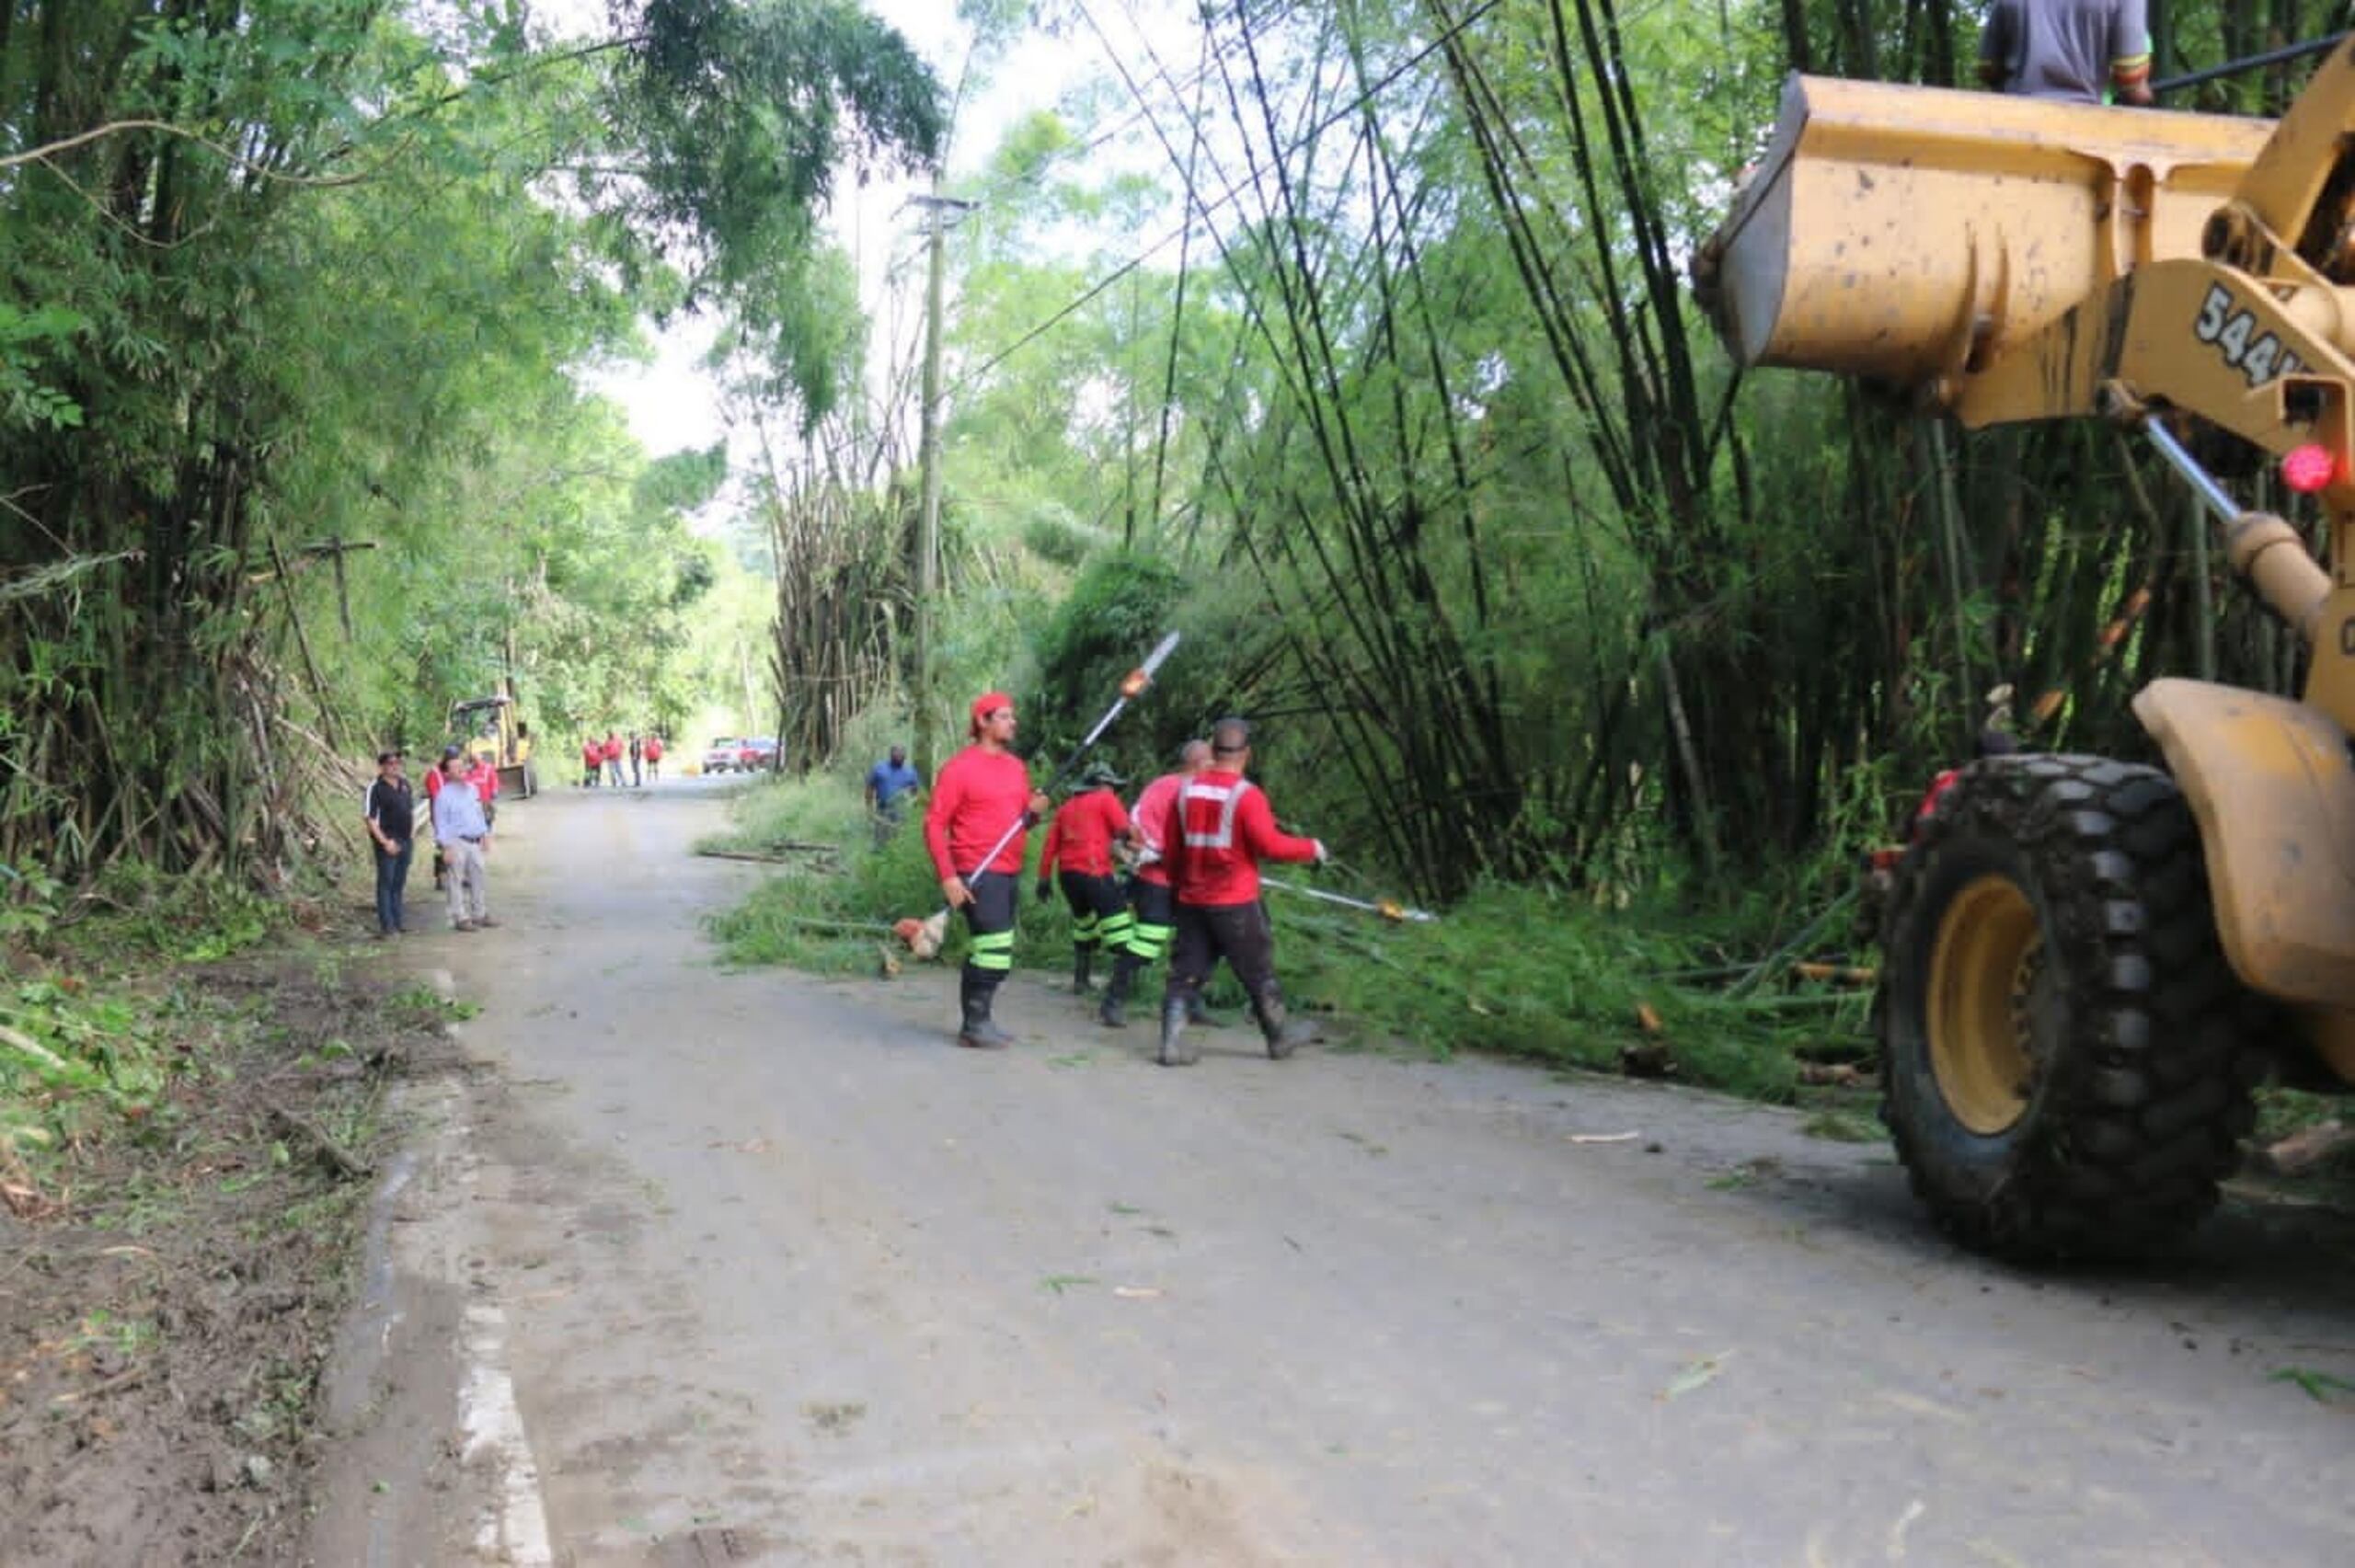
(1323, 858)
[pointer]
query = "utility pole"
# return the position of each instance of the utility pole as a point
(940, 212)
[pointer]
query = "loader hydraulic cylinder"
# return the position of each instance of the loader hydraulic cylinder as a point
(2261, 547)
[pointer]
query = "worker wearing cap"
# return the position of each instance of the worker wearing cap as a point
(1153, 904)
(1217, 830)
(981, 793)
(1079, 856)
(2068, 50)
(391, 816)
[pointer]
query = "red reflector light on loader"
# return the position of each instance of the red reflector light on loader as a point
(2308, 468)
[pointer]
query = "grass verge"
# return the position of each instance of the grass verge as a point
(182, 1138)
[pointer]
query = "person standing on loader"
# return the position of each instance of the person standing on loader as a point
(1220, 828)
(1079, 845)
(981, 792)
(1153, 905)
(2068, 50)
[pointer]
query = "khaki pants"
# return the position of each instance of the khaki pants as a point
(467, 883)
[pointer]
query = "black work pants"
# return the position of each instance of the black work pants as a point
(1238, 933)
(989, 918)
(1099, 914)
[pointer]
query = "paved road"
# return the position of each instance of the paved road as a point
(703, 1266)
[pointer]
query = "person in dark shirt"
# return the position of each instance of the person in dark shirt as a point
(391, 816)
(2068, 50)
(890, 786)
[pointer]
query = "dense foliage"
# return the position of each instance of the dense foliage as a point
(293, 296)
(1352, 341)
(1379, 373)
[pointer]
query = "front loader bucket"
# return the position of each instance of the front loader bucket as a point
(1908, 234)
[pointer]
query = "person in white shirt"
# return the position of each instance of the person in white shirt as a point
(464, 834)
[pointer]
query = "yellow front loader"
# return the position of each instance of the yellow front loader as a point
(2090, 964)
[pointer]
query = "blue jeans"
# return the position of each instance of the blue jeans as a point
(392, 884)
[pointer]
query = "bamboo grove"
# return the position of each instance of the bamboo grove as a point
(292, 297)
(1355, 341)
(1387, 383)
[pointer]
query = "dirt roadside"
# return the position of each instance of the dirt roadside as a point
(707, 1267)
(167, 1304)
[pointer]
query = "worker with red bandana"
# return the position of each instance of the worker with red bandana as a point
(1217, 831)
(981, 793)
(1079, 847)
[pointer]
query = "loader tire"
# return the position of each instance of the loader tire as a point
(2067, 1058)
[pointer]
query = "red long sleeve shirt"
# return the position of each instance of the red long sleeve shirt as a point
(1081, 838)
(1153, 822)
(977, 795)
(1220, 829)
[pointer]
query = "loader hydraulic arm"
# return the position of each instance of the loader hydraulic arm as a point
(2007, 259)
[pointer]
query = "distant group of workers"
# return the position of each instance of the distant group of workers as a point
(603, 759)
(1194, 843)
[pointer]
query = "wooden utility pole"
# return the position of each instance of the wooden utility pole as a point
(940, 211)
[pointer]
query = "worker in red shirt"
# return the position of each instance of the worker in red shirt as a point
(612, 759)
(432, 790)
(592, 761)
(1079, 855)
(483, 774)
(1214, 835)
(981, 792)
(1153, 905)
(653, 758)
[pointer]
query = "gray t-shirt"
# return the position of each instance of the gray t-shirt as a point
(2064, 49)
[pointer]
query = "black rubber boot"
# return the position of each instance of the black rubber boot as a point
(1175, 1050)
(1083, 960)
(1284, 1033)
(1114, 1014)
(979, 1032)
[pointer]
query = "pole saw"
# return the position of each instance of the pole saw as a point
(1383, 907)
(923, 937)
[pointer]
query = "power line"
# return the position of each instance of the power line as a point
(1228, 196)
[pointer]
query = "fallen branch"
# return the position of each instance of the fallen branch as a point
(2304, 1150)
(334, 1154)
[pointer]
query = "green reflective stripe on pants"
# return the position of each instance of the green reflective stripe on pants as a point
(1148, 941)
(1082, 928)
(994, 950)
(1114, 932)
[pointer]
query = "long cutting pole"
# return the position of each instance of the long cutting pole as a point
(2281, 56)
(1133, 685)
(1387, 911)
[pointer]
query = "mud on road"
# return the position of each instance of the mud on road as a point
(717, 1267)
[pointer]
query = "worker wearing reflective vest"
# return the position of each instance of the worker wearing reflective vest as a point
(1220, 828)
(1078, 856)
(981, 792)
(1153, 904)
